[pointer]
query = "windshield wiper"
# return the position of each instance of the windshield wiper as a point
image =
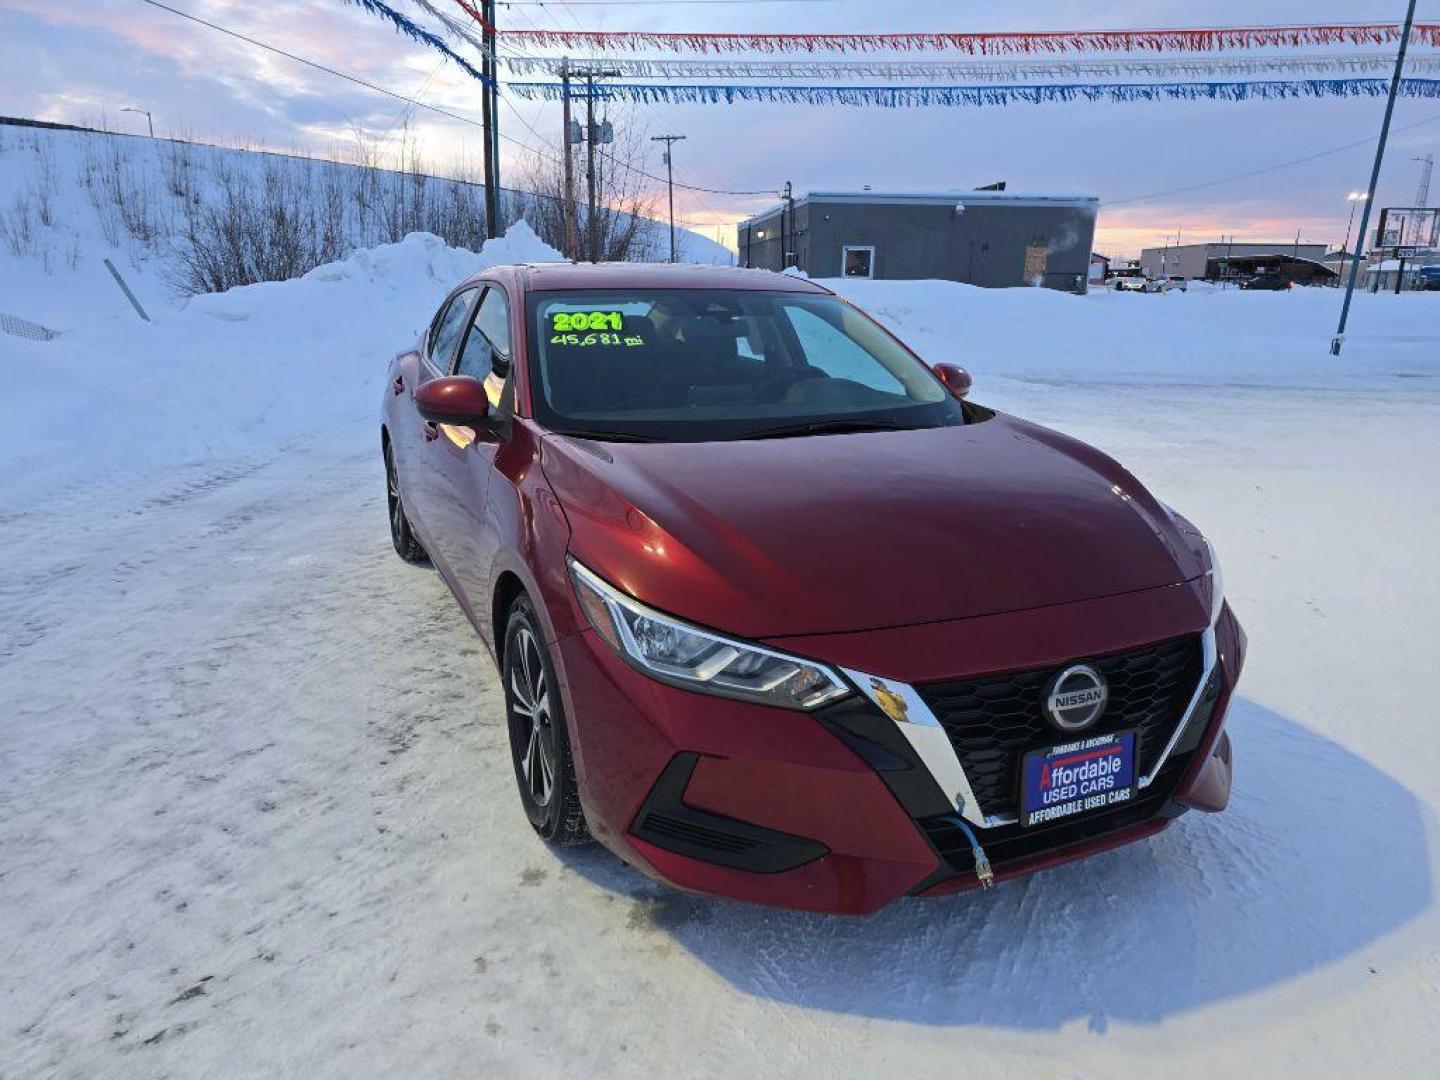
(827, 427)
(607, 436)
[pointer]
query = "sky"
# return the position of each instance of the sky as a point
(83, 63)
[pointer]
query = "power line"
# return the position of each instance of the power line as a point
(1267, 169)
(406, 111)
(707, 190)
(406, 99)
(311, 63)
(402, 97)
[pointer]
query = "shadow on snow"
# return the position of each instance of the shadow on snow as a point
(1318, 855)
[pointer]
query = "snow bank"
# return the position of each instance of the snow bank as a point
(71, 199)
(228, 374)
(1204, 335)
(231, 371)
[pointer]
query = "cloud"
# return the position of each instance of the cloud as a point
(77, 61)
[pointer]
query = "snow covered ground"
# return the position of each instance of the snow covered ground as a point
(256, 817)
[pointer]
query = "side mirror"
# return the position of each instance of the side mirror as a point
(458, 400)
(956, 379)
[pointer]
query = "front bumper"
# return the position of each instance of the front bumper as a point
(835, 811)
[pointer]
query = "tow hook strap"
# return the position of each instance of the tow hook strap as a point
(982, 864)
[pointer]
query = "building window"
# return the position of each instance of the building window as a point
(857, 261)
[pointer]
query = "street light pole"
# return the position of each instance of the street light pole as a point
(149, 121)
(670, 141)
(1353, 198)
(1338, 341)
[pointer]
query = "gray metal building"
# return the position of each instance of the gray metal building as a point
(991, 238)
(1200, 261)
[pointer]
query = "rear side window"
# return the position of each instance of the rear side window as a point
(445, 332)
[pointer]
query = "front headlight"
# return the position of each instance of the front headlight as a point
(682, 655)
(1213, 572)
(1217, 581)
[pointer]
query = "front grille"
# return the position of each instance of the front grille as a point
(994, 721)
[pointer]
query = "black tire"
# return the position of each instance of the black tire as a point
(539, 744)
(401, 535)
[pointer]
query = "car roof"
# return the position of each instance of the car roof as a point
(550, 277)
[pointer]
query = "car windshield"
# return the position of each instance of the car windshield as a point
(708, 364)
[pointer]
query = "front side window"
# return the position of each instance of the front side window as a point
(489, 337)
(445, 332)
(701, 365)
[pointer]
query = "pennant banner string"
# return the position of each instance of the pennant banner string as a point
(896, 97)
(981, 70)
(1203, 39)
(417, 33)
(457, 30)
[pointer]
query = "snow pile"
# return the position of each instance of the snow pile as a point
(265, 363)
(1203, 335)
(231, 372)
(70, 199)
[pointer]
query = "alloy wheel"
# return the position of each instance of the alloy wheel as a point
(392, 497)
(532, 719)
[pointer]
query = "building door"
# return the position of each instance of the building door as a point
(1036, 259)
(857, 261)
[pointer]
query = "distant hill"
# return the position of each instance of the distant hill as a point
(179, 217)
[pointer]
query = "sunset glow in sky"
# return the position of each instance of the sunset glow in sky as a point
(83, 63)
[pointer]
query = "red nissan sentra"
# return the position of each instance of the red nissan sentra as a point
(780, 615)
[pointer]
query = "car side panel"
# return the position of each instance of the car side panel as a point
(401, 421)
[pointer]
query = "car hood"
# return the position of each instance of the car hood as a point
(821, 534)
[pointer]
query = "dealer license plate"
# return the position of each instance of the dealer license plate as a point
(1089, 774)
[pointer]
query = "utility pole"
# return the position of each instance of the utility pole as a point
(788, 211)
(1422, 194)
(1427, 166)
(1338, 341)
(490, 118)
(592, 242)
(569, 140)
(670, 141)
(592, 136)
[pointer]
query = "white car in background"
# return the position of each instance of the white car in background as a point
(1166, 284)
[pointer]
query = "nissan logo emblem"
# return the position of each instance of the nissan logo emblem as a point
(1077, 698)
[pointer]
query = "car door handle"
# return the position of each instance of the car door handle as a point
(431, 431)
(398, 386)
